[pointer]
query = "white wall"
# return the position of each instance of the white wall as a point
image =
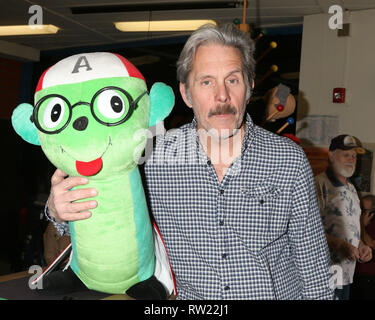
(329, 61)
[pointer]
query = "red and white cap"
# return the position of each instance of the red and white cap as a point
(87, 66)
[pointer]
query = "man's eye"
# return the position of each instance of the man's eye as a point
(206, 82)
(233, 81)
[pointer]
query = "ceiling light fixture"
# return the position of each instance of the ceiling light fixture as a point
(166, 25)
(25, 30)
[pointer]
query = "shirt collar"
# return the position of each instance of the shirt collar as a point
(249, 133)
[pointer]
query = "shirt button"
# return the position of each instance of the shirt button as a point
(208, 162)
(261, 201)
(221, 222)
(224, 255)
(221, 191)
(226, 288)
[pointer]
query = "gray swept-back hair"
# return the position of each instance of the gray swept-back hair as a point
(228, 35)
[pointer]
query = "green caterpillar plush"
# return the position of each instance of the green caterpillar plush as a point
(88, 108)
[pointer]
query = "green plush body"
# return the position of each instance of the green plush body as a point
(113, 249)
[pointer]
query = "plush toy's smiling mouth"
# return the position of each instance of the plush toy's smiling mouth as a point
(91, 168)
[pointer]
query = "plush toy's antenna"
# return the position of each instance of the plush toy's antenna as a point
(23, 124)
(162, 102)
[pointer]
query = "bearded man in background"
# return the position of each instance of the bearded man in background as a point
(340, 209)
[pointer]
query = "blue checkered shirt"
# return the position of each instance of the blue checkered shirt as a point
(257, 234)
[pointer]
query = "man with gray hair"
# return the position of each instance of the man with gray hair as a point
(341, 211)
(235, 204)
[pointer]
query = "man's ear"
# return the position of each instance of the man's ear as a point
(248, 94)
(331, 156)
(23, 124)
(184, 95)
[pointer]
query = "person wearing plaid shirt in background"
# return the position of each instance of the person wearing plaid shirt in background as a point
(235, 204)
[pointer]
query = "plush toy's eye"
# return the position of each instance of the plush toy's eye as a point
(53, 113)
(111, 104)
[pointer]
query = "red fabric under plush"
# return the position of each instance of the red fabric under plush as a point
(292, 137)
(89, 168)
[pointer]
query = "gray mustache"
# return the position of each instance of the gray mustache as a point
(222, 109)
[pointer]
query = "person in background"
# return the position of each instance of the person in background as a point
(363, 287)
(367, 219)
(340, 210)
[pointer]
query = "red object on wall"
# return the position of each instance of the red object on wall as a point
(338, 95)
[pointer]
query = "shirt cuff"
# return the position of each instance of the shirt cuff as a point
(62, 228)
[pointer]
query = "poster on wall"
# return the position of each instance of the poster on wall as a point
(362, 175)
(317, 130)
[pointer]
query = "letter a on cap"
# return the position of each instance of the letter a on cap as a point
(81, 63)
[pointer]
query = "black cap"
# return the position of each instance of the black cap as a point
(346, 142)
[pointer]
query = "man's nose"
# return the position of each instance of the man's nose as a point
(352, 159)
(222, 93)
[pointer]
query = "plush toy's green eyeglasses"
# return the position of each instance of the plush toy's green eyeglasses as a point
(109, 106)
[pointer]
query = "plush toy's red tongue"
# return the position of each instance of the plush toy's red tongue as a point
(89, 168)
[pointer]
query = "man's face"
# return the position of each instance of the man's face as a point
(343, 162)
(217, 89)
(366, 205)
(367, 209)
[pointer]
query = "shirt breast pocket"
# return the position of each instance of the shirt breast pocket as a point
(253, 222)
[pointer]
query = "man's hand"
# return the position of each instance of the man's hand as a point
(348, 251)
(365, 252)
(366, 217)
(61, 203)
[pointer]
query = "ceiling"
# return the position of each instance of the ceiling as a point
(90, 22)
